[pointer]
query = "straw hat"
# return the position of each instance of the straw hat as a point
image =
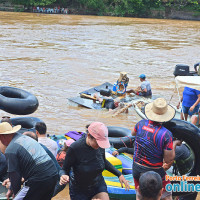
(159, 111)
(122, 76)
(6, 128)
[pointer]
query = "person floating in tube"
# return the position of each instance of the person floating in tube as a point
(121, 84)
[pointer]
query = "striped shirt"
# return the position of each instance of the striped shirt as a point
(150, 142)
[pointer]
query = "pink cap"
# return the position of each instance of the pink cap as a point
(69, 142)
(100, 132)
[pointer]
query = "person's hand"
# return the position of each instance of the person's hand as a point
(122, 180)
(22, 180)
(178, 142)
(138, 89)
(115, 153)
(6, 183)
(166, 166)
(9, 194)
(192, 108)
(64, 179)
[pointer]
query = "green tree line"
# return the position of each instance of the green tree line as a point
(137, 8)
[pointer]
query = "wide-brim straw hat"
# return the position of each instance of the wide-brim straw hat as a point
(122, 74)
(6, 128)
(159, 111)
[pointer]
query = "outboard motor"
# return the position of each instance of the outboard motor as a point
(181, 70)
(184, 70)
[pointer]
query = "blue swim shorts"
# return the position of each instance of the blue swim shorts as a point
(186, 110)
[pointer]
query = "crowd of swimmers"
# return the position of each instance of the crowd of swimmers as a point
(55, 10)
(31, 167)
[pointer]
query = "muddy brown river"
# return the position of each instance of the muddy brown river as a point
(57, 56)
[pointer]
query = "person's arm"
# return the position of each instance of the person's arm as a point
(195, 104)
(130, 91)
(126, 150)
(68, 163)
(15, 179)
(143, 87)
(169, 155)
(178, 105)
(123, 150)
(134, 131)
(112, 169)
(144, 90)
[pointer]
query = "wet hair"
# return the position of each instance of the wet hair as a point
(31, 134)
(150, 184)
(86, 127)
(89, 135)
(41, 128)
(6, 119)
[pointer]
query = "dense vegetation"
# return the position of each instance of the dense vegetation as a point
(140, 8)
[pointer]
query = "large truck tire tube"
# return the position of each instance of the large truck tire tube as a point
(120, 137)
(27, 123)
(189, 133)
(17, 101)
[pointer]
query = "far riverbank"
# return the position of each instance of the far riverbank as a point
(164, 12)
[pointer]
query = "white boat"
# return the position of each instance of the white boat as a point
(181, 81)
(139, 105)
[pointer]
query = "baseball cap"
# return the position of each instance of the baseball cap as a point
(100, 132)
(142, 76)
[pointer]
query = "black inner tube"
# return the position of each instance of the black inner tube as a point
(11, 94)
(17, 101)
(120, 137)
(27, 123)
(189, 133)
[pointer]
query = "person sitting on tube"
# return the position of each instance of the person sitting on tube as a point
(144, 89)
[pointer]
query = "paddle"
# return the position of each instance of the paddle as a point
(88, 96)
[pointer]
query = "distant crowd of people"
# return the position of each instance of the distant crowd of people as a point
(55, 10)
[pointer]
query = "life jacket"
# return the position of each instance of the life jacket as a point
(120, 88)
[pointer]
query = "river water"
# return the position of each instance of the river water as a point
(57, 56)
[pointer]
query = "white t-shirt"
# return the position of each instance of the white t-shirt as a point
(50, 144)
